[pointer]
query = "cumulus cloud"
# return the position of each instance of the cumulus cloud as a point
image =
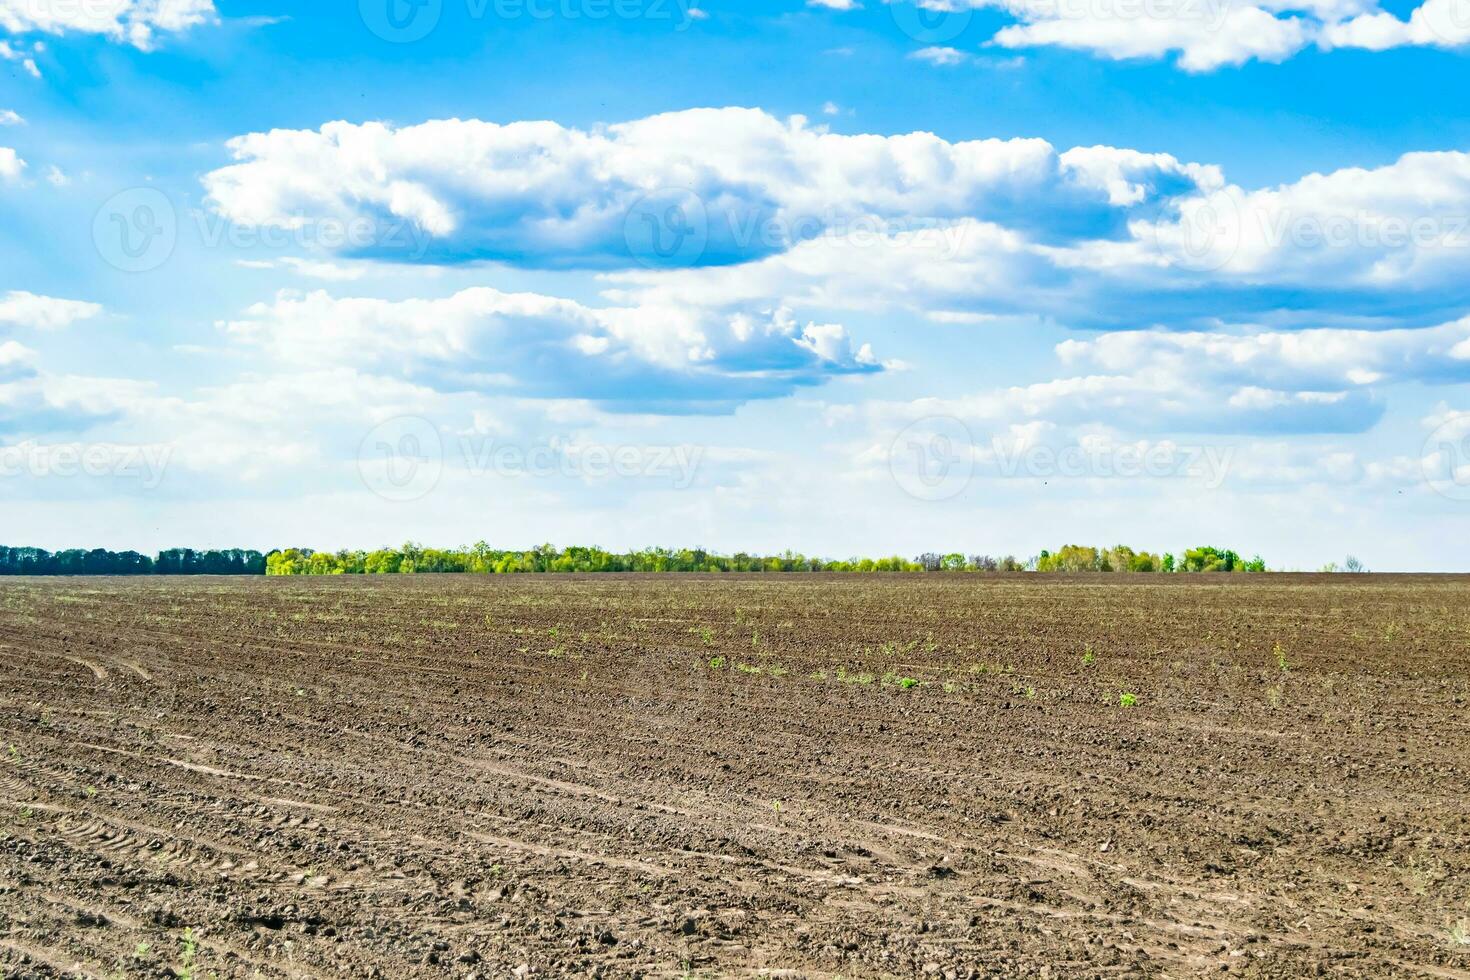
(1161, 384)
(769, 210)
(653, 358)
(11, 165)
(1435, 23)
(16, 362)
(1404, 224)
(1388, 246)
(940, 56)
(699, 187)
(1156, 382)
(38, 402)
(23, 309)
(1305, 359)
(1206, 35)
(31, 400)
(135, 22)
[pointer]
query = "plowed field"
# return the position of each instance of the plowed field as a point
(720, 776)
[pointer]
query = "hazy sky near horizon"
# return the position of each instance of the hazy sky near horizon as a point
(843, 276)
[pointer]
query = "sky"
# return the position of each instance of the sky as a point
(841, 276)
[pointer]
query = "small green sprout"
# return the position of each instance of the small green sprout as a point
(1280, 654)
(1128, 700)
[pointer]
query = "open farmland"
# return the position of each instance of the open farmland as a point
(714, 776)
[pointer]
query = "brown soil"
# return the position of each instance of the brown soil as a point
(457, 776)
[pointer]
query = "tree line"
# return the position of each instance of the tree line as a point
(98, 561)
(482, 559)
(1121, 558)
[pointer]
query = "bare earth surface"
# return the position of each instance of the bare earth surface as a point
(456, 776)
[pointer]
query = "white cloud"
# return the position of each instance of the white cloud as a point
(1210, 34)
(9, 52)
(43, 312)
(1160, 382)
(941, 56)
(9, 117)
(310, 269)
(1154, 402)
(1435, 23)
(539, 346)
(16, 362)
(38, 402)
(736, 184)
(1403, 224)
(1187, 248)
(1206, 35)
(135, 22)
(11, 165)
(1306, 359)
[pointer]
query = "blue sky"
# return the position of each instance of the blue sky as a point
(840, 276)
